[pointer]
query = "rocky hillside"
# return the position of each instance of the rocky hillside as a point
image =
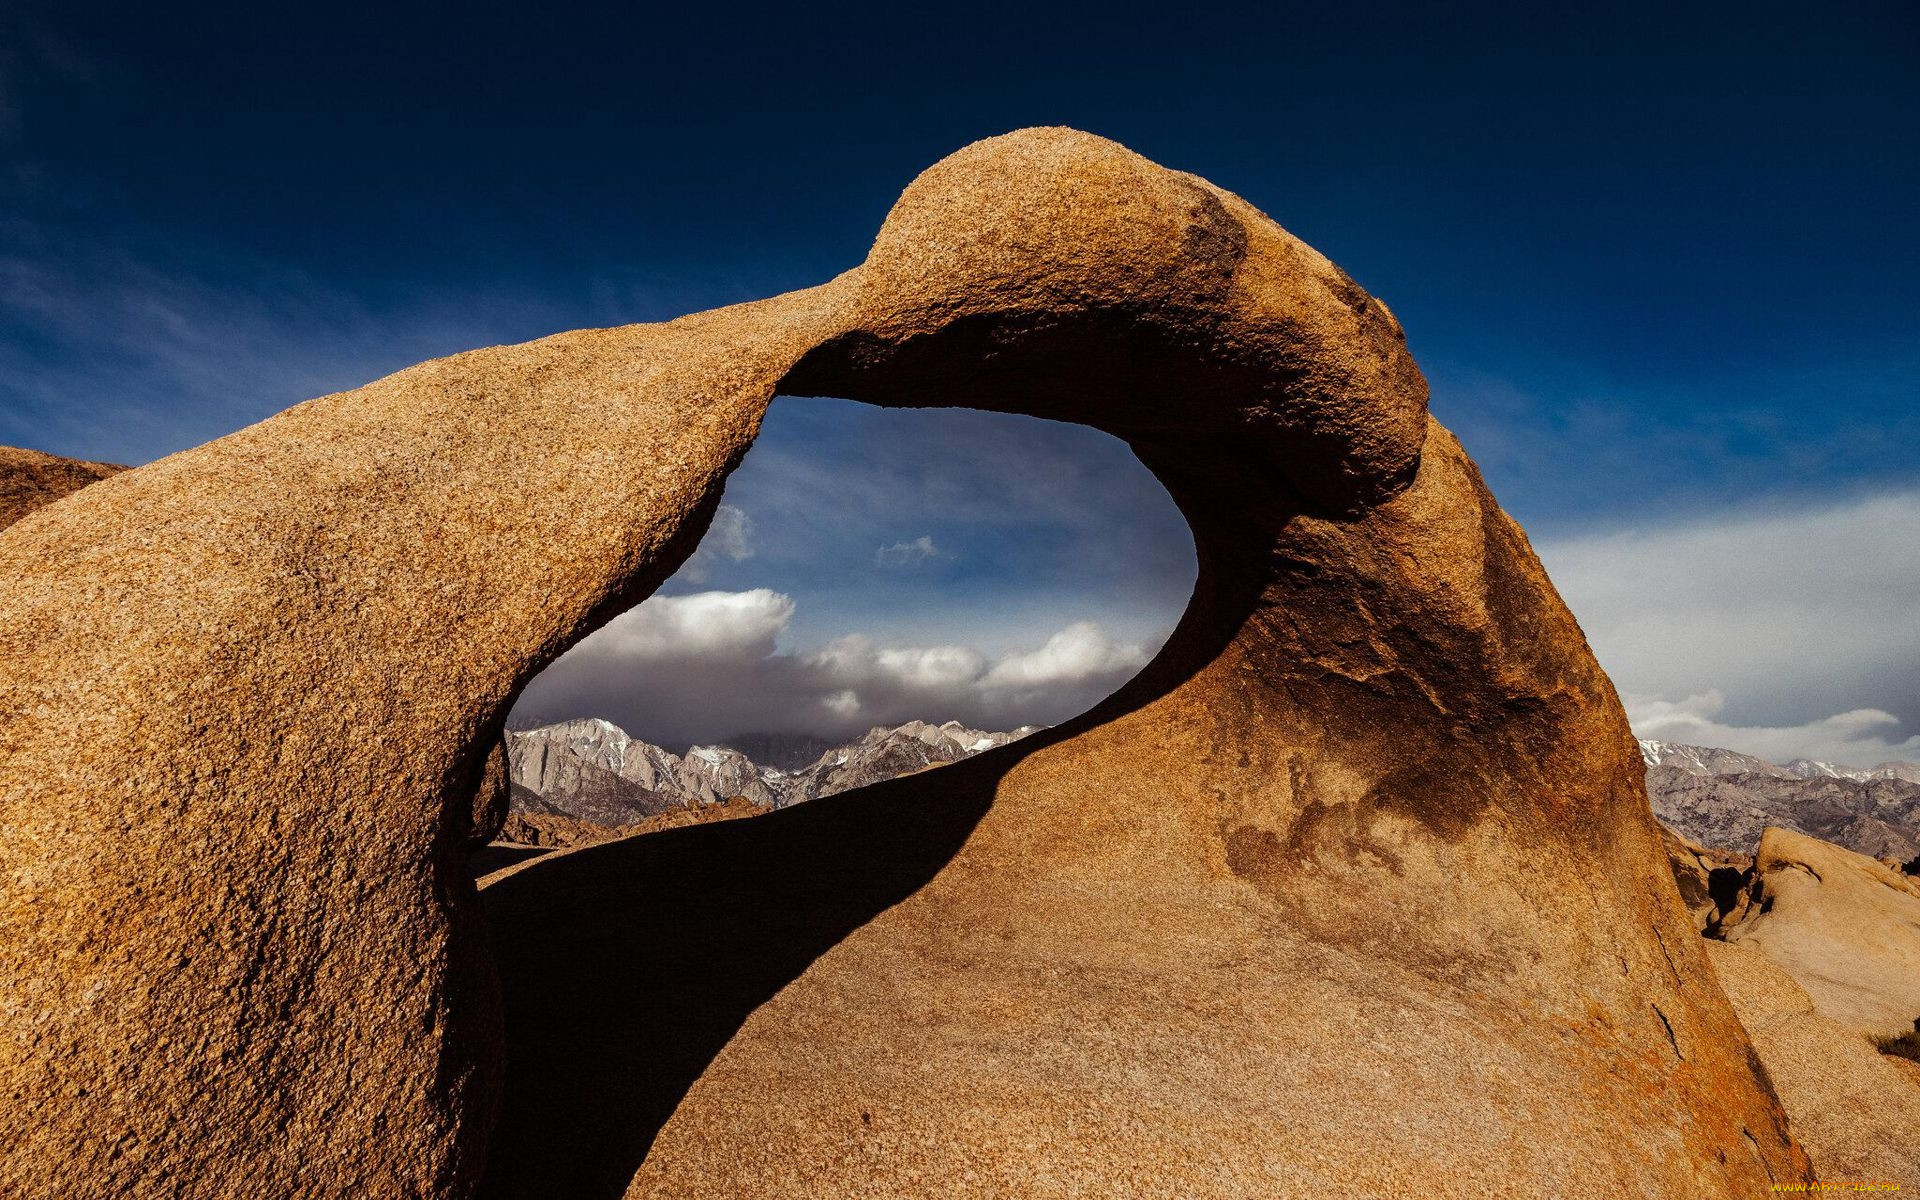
(582, 780)
(1724, 800)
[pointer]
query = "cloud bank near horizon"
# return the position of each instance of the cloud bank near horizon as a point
(694, 668)
(1789, 634)
(1858, 738)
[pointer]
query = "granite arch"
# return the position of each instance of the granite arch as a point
(248, 694)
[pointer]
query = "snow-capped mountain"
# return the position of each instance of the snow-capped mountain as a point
(592, 770)
(1707, 760)
(890, 753)
(1710, 760)
(1806, 768)
(553, 760)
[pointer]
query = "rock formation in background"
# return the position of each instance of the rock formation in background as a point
(30, 480)
(1710, 881)
(1819, 950)
(1845, 927)
(1400, 925)
(1724, 800)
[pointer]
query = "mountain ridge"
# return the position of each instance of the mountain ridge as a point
(587, 780)
(1724, 800)
(591, 773)
(1713, 760)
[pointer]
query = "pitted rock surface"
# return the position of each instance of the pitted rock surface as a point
(1408, 930)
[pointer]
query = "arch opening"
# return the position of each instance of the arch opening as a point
(614, 1008)
(867, 568)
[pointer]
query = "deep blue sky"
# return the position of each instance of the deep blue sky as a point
(1659, 262)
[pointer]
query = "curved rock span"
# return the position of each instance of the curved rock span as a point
(1407, 928)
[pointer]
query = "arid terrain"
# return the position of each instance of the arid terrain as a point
(1356, 887)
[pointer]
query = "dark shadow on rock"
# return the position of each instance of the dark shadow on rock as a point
(498, 856)
(626, 967)
(1724, 887)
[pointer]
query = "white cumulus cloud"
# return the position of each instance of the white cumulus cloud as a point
(681, 669)
(1080, 651)
(701, 625)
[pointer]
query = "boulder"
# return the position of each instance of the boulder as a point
(1711, 881)
(1844, 927)
(1402, 924)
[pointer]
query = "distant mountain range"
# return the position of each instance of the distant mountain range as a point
(1723, 800)
(1709, 760)
(587, 780)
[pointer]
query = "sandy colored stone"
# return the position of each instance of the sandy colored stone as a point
(30, 479)
(1855, 1110)
(1406, 929)
(1845, 927)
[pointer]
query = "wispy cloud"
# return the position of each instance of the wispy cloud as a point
(1570, 448)
(729, 537)
(905, 554)
(114, 354)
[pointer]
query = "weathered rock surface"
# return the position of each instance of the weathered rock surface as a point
(1845, 927)
(1856, 1111)
(30, 479)
(1407, 929)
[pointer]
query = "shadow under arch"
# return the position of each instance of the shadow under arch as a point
(627, 966)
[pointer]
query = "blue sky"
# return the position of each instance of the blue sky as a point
(1659, 266)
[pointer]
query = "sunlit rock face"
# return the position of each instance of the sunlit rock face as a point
(1399, 923)
(1844, 926)
(1853, 1109)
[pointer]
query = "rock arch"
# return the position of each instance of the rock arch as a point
(1402, 921)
